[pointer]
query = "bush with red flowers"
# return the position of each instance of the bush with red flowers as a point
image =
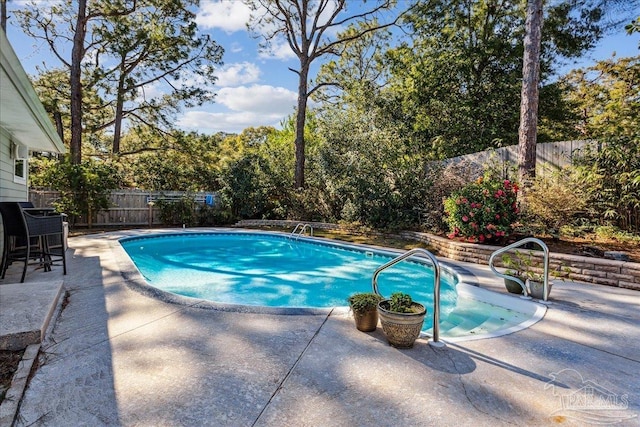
(482, 211)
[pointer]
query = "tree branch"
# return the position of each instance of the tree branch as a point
(143, 150)
(329, 48)
(367, 14)
(320, 85)
(319, 31)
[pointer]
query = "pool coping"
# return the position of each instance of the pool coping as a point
(468, 284)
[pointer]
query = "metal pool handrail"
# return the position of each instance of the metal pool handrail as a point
(545, 250)
(302, 230)
(296, 229)
(436, 288)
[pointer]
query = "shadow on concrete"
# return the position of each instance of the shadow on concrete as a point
(75, 364)
(497, 362)
(351, 378)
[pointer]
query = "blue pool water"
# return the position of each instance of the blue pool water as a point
(273, 270)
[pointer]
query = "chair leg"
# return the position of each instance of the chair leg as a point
(64, 260)
(26, 260)
(45, 253)
(48, 252)
(5, 255)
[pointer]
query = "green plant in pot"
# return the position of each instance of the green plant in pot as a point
(365, 310)
(535, 281)
(514, 267)
(401, 319)
(523, 266)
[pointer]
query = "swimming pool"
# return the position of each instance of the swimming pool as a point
(274, 270)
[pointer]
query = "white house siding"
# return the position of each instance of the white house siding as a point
(9, 190)
(23, 118)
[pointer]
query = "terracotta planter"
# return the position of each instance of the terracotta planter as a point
(513, 286)
(401, 329)
(366, 321)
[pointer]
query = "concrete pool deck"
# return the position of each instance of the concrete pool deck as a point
(114, 356)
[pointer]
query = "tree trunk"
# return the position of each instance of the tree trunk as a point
(3, 15)
(57, 117)
(75, 79)
(301, 117)
(527, 133)
(117, 130)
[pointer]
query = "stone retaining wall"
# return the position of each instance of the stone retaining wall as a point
(284, 223)
(599, 271)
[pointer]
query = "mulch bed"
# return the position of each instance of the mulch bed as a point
(9, 361)
(592, 247)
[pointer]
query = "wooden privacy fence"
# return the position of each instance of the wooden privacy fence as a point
(549, 156)
(128, 207)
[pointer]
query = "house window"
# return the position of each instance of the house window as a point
(20, 171)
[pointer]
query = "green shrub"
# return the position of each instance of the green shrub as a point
(178, 212)
(84, 188)
(483, 210)
(446, 180)
(220, 214)
(614, 233)
(553, 201)
(611, 178)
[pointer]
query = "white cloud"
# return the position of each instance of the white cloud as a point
(279, 49)
(227, 15)
(187, 78)
(251, 106)
(236, 47)
(150, 91)
(325, 15)
(206, 122)
(237, 74)
(260, 99)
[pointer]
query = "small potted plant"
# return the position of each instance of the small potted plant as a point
(535, 281)
(365, 310)
(522, 265)
(401, 319)
(514, 267)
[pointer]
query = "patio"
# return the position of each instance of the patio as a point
(116, 357)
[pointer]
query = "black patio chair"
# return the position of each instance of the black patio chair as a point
(30, 237)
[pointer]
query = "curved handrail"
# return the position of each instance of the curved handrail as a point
(545, 249)
(436, 288)
(302, 230)
(304, 227)
(296, 229)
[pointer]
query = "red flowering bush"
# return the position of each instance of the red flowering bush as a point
(482, 211)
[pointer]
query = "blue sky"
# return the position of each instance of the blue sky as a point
(253, 88)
